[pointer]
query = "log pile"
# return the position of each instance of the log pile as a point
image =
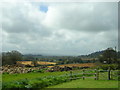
(12, 69)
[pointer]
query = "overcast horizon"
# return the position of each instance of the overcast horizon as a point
(59, 28)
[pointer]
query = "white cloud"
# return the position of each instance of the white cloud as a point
(92, 17)
(65, 29)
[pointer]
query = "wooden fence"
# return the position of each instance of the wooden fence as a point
(108, 74)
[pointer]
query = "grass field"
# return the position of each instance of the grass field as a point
(0, 81)
(15, 77)
(35, 79)
(33, 75)
(88, 84)
(56, 80)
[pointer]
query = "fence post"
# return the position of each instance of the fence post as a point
(95, 74)
(71, 75)
(109, 73)
(98, 74)
(83, 74)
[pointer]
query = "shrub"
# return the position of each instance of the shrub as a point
(35, 84)
(106, 66)
(111, 66)
(41, 71)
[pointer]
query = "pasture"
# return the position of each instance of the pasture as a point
(57, 79)
(32, 75)
(34, 80)
(88, 83)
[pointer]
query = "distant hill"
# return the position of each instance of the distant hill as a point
(96, 54)
(62, 58)
(92, 55)
(31, 56)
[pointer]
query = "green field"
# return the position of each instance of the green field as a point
(88, 84)
(16, 77)
(35, 79)
(0, 81)
(56, 80)
(33, 75)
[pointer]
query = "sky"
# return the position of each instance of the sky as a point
(50, 28)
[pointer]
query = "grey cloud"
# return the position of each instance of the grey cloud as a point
(73, 29)
(19, 19)
(92, 17)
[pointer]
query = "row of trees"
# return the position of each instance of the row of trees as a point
(11, 57)
(109, 56)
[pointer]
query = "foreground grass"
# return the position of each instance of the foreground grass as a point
(35, 80)
(88, 84)
(42, 80)
(16, 77)
(0, 81)
(33, 75)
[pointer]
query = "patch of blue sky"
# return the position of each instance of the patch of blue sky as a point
(44, 8)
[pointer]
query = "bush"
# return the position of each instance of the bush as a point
(17, 84)
(107, 66)
(11, 85)
(35, 84)
(41, 71)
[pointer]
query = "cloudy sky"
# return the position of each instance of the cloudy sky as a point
(59, 28)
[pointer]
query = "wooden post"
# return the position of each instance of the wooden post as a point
(83, 74)
(95, 74)
(71, 75)
(109, 74)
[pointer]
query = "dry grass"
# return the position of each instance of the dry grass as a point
(45, 63)
(79, 65)
(76, 65)
(31, 63)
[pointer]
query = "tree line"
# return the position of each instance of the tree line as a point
(109, 56)
(11, 57)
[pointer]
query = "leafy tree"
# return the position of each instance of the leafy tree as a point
(11, 57)
(35, 62)
(109, 56)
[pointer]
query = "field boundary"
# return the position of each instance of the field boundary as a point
(96, 74)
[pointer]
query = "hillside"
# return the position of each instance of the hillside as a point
(92, 55)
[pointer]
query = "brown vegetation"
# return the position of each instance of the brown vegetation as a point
(78, 65)
(31, 63)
